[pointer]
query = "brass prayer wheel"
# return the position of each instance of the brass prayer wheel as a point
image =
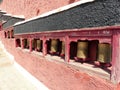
(5, 34)
(54, 45)
(8, 34)
(33, 44)
(82, 49)
(38, 46)
(26, 43)
(104, 53)
(63, 48)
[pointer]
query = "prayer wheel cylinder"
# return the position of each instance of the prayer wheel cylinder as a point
(38, 44)
(82, 49)
(8, 34)
(26, 43)
(104, 53)
(33, 44)
(54, 44)
(63, 48)
(5, 34)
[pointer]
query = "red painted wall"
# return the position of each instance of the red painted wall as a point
(57, 76)
(32, 8)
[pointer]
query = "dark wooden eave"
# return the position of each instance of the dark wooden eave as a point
(94, 14)
(11, 21)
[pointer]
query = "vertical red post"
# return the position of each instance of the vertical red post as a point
(30, 44)
(10, 34)
(35, 43)
(115, 73)
(4, 34)
(7, 34)
(67, 49)
(16, 45)
(22, 43)
(1, 28)
(44, 46)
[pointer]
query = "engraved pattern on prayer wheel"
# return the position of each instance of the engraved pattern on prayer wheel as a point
(82, 49)
(104, 53)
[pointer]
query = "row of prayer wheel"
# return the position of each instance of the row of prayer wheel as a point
(9, 34)
(36, 44)
(103, 51)
(87, 51)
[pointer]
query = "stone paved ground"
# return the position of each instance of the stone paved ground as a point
(11, 78)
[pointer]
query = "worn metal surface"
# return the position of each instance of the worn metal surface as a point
(82, 49)
(104, 53)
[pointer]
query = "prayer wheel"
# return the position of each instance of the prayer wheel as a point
(38, 46)
(82, 50)
(63, 49)
(33, 44)
(18, 43)
(8, 34)
(104, 53)
(26, 43)
(54, 46)
(5, 34)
